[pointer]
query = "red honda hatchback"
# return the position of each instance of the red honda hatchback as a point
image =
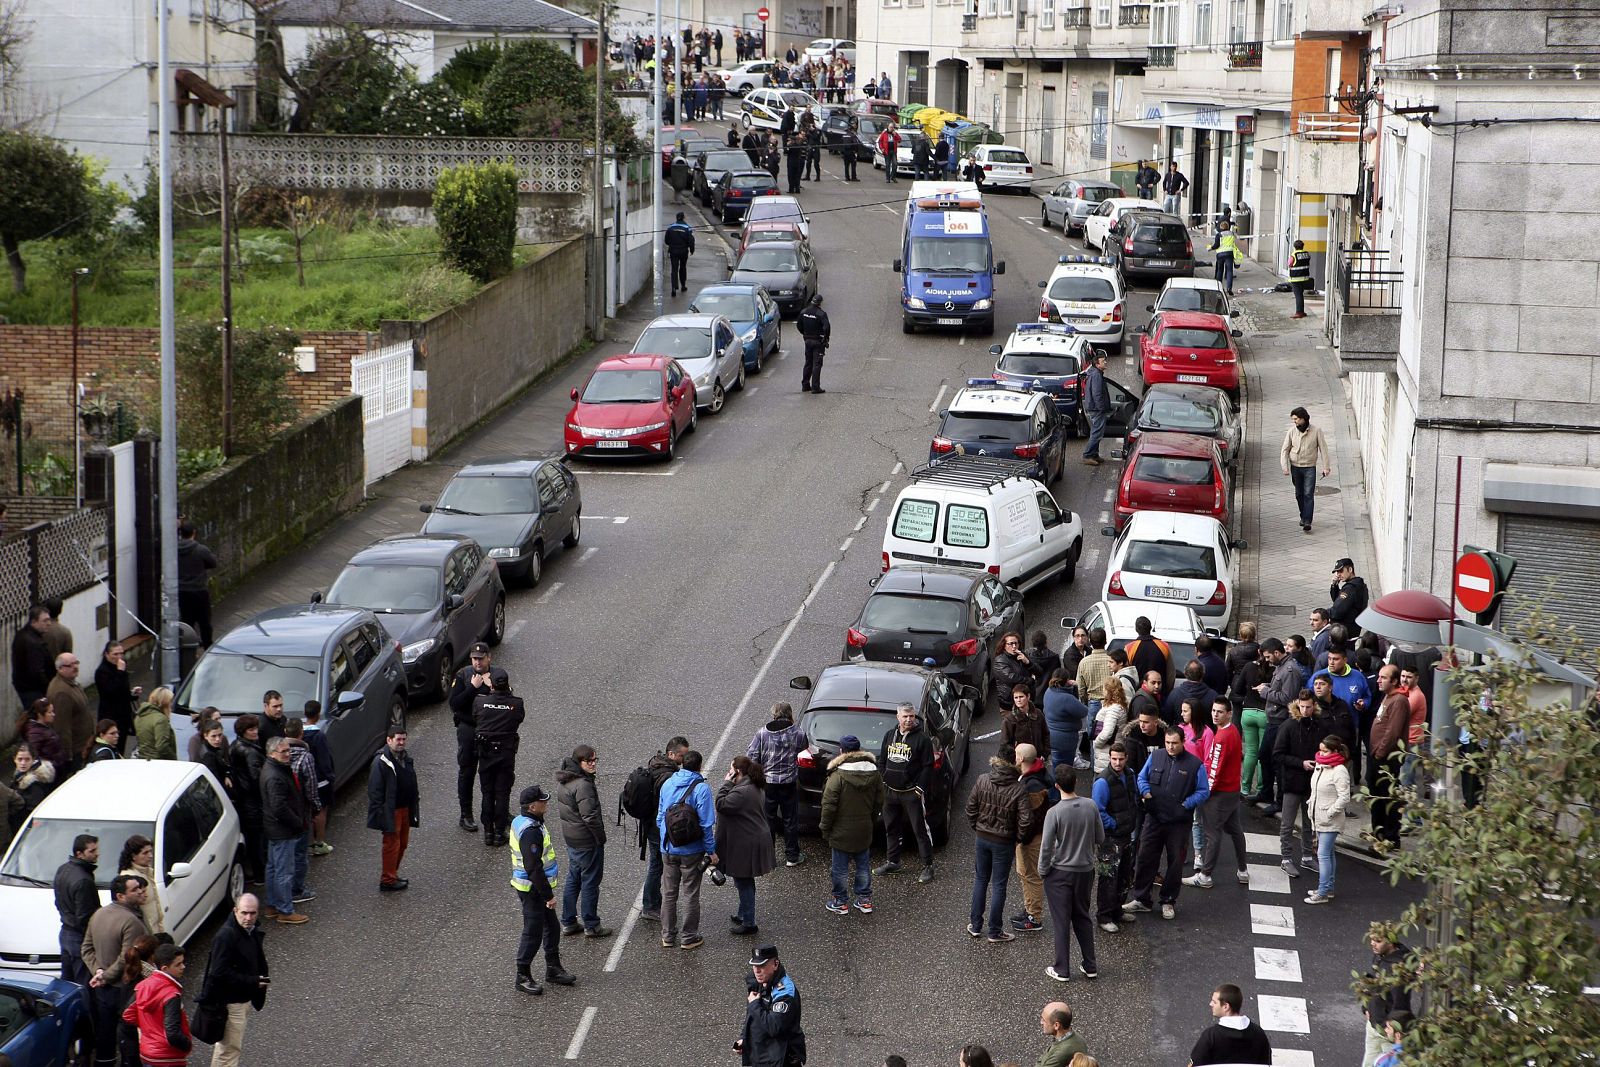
(1190, 348)
(1165, 471)
(632, 405)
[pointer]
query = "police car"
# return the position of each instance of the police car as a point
(764, 108)
(1085, 292)
(1046, 355)
(1008, 420)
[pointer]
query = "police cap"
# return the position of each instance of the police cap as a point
(532, 795)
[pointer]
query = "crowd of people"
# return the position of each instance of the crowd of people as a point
(698, 62)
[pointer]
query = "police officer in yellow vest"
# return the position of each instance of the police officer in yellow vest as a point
(1299, 277)
(1226, 246)
(536, 888)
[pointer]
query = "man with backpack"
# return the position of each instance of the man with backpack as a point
(641, 799)
(686, 824)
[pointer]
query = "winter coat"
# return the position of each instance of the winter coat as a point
(235, 967)
(1295, 742)
(578, 799)
(392, 785)
(1283, 689)
(45, 744)
(1389, 725)
(115, 692)
(1139, 746)
(283, 804)
(1330, 792)
(775, 747)
(216, 761)
(1349, 601)
(74, 721)
(156, 1011)
(852, 802)
(153, 727)
(1112, 718)
(76, 897)
(998, 807)
(1199, 692)
(1177, 787)
(32, 666)
(194, 561)
(246, 758)
(690, 786)
(111, 932)
(155, 917)
(1039, 783)
(1027, 729)
(744, 839)
(1066, 718)
(1008, 671)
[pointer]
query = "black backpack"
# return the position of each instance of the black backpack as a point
(683, 820)
(638, 797)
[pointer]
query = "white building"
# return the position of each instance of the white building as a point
(917, 43)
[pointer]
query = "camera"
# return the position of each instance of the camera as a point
(717, 877)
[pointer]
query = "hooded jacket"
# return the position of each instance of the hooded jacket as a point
(1329, 794)
(1065, 716)
(691, 786)
(578, 800)
(153, 727)
(998, 807)
(1284, 687)
(775, 747)
(195, 562)
(852, 802)
(156, 1011)
(906, 758)
(1187, 690)
(1027, 729)
(1039, 784)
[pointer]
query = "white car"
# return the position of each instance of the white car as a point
(823, 46)
(902, 155)
(747, 76)
(778, 209)
(1099, 221)
(1175, 625)
(708, 349)
(1086, 293)
(199, 861)
(1001, 166)
(1194, 294)
(764, 108)
(1175, 559)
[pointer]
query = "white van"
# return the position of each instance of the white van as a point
(980, 512)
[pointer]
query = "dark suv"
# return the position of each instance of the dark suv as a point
(1151, 243)
(860, 699)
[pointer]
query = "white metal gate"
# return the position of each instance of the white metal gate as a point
(383, 379)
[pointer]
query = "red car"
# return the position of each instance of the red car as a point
(1165, 471)
(768, 230)
(632, 405)
(1190, 348)
(669, 142)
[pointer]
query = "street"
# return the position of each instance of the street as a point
(699, 589)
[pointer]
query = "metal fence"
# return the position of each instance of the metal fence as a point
(1363, 280)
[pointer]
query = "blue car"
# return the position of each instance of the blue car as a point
(754, 314)
(44, 1022)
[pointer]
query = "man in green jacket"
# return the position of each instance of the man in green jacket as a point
(852, 802)
(1055, 1022)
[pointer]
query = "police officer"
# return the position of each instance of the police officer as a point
(499, 716)
(794, 152)
(536, 889)
(1299, 277)
(812, 133)
(469, 682)
(679, 240)
(772, 1033)
(814, 327)
(852, 145)
(733, 135)
(1226, 246)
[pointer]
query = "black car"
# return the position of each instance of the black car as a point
(1151, 243)
(836, 132)
(516, 508)
(711, 165)
(731, 196)
(949, 615)
(786, 269)
(436, 596)
(1197, 409)
(860, 699)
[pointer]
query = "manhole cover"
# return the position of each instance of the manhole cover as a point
(1327, 490)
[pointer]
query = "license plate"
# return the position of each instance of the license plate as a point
(1165, 592)
(611, 444)
(1198, 379)
(1082, 318)
(948, 322)
(1159, 262)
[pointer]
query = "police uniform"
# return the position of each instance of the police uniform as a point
(679, 240)
(795, 162)
(535, 887)
(1226, 246)
(772, 1033)
(852, 142)
(815, 328)
(1300, 279)
(499, 716)
(462, 692)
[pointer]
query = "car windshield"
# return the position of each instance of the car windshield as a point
(1171, 559)
(829, 724)
(1086, 289)
(1007, 155)
(485, 495)
(798, 99)
(1093, 194)
(725, 161)
(232, 682)
(769, 258)
(774, 209)
(387, 587)
(913, 614)
(43, 845)
(1174, 413)
(751, 181)
(1185, 299)
(1047, 364)
(949, 255)
(986, 426)
(1193, 337)
(622, 387)
(740, 307)
(769, 232)
(872, 124)
(683, 342)
(1173, 470)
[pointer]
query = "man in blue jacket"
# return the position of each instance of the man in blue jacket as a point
(1350, 686)
(1116, 795)
(1172, 784)
(1097, 407)
(684, 860)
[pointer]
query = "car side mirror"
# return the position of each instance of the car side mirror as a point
(1149, 307)
(1212, 631)
(994, 350)
(1239, 543)
(453, 602)
(574, 394)
(943, 412)
(1141, 329)
(727, 263)
(800, 681)
(1233, 314)
(42, 1008)
(347, 702)
(895, 266)
(1000, 267)
(1069, 622)
(179, 870)
(426, 509)
(1041, 285)
(1108, 531)
(316, 598)
(1236, 333)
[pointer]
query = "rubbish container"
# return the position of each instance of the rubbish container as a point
(1242, 219)
(188, 649)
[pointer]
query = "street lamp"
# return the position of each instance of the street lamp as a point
(77, 397)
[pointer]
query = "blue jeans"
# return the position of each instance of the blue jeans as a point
(1224, 271)
(993, 870)
(747, 900)
(585, 868)
(302, 861)
(1305, 491)
(841, 869)
(652, 875)
(1097, 430)
(1326, 862)
(280, 874)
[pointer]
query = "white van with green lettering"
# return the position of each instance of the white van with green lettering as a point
(981, 512)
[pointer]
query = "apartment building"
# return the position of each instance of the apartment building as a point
(917, 43)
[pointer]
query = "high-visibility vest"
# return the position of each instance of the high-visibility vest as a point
(1227, 246)
(547, 857)
(1300, 268)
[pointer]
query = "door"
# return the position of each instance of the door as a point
(462, 625)
(189, 833)
(550, 518)
(347, 724)
(1124, 406)
(679, 407)
(383, 381)
(1047, 126)
(1054, 533)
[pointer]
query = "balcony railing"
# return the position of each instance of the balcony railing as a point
(969, 23)
(1133, 15)
(1162, 55)
(1075, 18)
(1244, 55)
(1327, 126)
(1364, 281)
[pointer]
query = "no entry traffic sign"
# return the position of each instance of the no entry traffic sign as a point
(1476, 582)
(763, 14)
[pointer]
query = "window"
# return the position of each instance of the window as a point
(1047, 14)
(916, 520)
(1100, 113)
(457, 573)
(1237, 21)
(984, 597)
(1005, 7)
(362, 650)
(1049, 511)
(1283, 27)
(180, 834)
(1102, 13)
(340, 676)
(991, 7)
(966, 526)
(1164, 24)
(547, 486)
(12, 1016)
(1202, 23)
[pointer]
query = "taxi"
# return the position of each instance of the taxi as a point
(1047, 355)
(1006, 420)
(1086, 293)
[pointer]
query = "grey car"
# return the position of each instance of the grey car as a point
(518, 508)
(706, 346)
(787, 269)
(1069, 203)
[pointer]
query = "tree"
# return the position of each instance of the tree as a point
(465, 71)
(352, 80)
(1512, 928)
(529, 71)
(263, 360)
(45, 192)
(312, 86)
(475, 208)
(427, 109)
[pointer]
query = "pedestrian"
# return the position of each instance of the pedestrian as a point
(32, 665)
(1044, 660)
(284, 819)
(322, 754)
(814, 326)
(1068, 848)
(1173, 185)
(236, 977)
(1351, 689)
(1093, 671)
(1226, 246)
(1234, 1037)
(115, 693)
(1299, 277)
(153, 726)
(497, 716)
(775, 747)
(1144, 735)
(1193, 687)
(852, 803)
(1112, 722)
(733, 135)
(304, 766)
(1145, 179)
(1147, 653)
(138, 859)
(1349, 596)
(137, 965)
(1304, 447)
(1219, 815)
(1214, 670)
(1096, 406)
(111, 933)
(1125, 673)
(1321, 636)
(583, 830)
(686, 823)
(771, 155)
(469, 681)
(246, 758)
(716, 43)
(794, 151)
(772, 1036)
(1330, 793)
(1294, 753)
(393, 805)
(753, 146)
(921, 158)
(1388, 734)
(1023, 723)
(906, 756)
(810, 137)
(679, 241)
(272, 716)
(76, 900)
(1055, 1022)
(851, 151)
(157, 1011)
(1038, 779)
(1198, 736)
(1116, 795)
(43, 739)
(641, 798)
(1000, 815)
(1277, 694)
(791, 57)
(1389, 954)
(941, 158)
(744, 836)
(536, 892)
(57, 637)
(106, 737)
(213, 756)
(195, 564)
(1394, 1030)
(889, 148)
(1064, 716)
(1009, 667)
(885, 86)
(1172, 785)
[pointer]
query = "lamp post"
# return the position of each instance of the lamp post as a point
(77, 398)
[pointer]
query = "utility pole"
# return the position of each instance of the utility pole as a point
(168, 461)
(655, 164)
(77, 398)
(678, 56)
(597, 324)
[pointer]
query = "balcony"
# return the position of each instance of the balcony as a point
(969, 23)
(1244, 55)
(1327, 126)
(1074, 18)
(1163, 55)
(1133, 15)
(1368, 292)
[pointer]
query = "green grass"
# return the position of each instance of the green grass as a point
(353, 280)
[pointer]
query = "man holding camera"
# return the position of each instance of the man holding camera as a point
(470, 681)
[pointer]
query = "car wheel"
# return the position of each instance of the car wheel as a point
(906, 325)
(497, 622)
(235, 886)
(1070, 573)
(672, 445)
(572, 538)
(80, 1053)
(738, 383)
(536, 565)
(397, 712)
(446, 673)
(757, 368)
(718, 398)
(1044, 217)
(694, 420)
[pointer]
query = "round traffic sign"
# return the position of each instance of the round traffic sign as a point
(1475, 582)
(763, 14)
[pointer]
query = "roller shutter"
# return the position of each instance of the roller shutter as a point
(1558, 560)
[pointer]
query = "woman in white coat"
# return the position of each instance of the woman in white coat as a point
(1330, 792)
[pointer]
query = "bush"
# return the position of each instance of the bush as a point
(529, 71)
(437, 287)
(46, 193)
(262, 362)
(475, 208)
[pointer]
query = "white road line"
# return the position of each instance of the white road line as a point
(898, 467)
(1265, 844)
(872, 504)
(848, 541)
(884, 488)
(580, 1035)
(543, 598)
(591, 550)
(516, 628)
(1277, 965)
(860, 523)
(751, 389)
(727, 731)
(589, 471)
(1285, 1015)
(963, 340)
(1110, 495)
(985, 737)
(1267, 878)
(1105, 517)
(936, 398)
(783, 354)
(1271, 920)
(619, 520)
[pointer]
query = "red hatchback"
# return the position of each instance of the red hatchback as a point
(1190, 348)
(1165, 471)
(632, 405)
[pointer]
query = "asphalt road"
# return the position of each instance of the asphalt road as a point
(699, 589)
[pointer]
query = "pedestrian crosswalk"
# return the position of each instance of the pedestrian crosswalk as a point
(1278, 1012)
